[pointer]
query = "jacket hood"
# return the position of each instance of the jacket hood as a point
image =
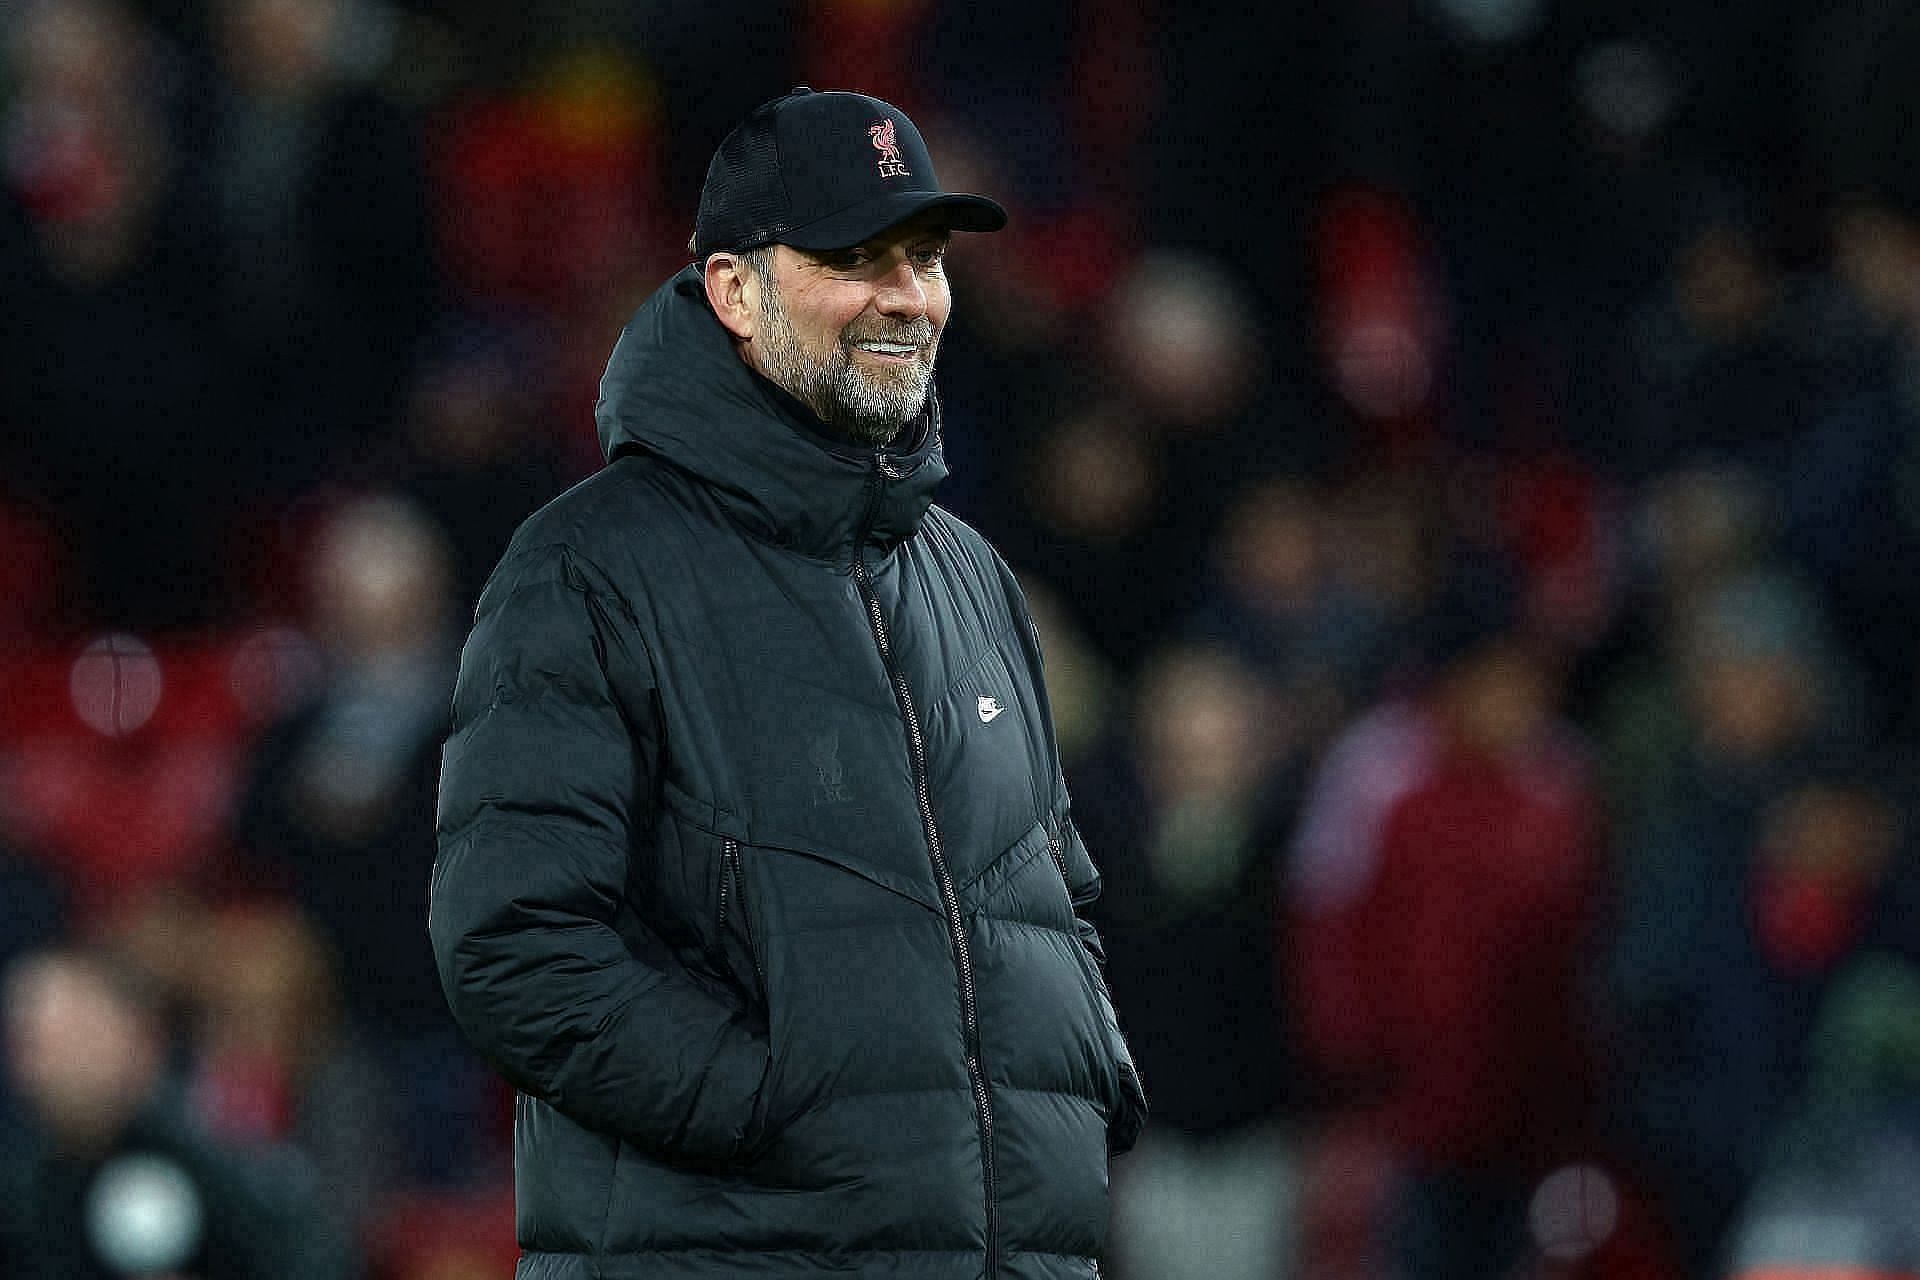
(675, 387)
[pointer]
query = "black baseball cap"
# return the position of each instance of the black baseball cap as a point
(824, 171)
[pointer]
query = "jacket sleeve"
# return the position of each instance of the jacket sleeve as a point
(1083, 883)
(548, 774)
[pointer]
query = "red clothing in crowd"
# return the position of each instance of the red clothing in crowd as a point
(1439, 967)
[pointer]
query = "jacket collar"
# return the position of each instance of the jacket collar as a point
(675, 387)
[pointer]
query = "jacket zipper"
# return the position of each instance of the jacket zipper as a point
(949, 896)
(729, 890)
(1059, 856)
(729, 869)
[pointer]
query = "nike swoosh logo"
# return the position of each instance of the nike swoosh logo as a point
(990, 710)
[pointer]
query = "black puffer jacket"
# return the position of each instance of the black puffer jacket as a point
(756, 875)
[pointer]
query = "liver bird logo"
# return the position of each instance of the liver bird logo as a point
(888, 145)
(825, 755)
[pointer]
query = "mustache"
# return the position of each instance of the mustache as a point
(915, 333)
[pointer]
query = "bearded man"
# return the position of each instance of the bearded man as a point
(757, 877)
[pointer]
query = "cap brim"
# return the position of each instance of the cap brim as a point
(864, 221)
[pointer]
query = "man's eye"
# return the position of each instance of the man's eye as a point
(847, 261)
(931, 256)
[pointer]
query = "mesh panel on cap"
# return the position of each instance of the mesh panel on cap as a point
(750, 192)
(760, 206)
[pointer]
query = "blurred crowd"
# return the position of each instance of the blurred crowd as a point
(1464, 456)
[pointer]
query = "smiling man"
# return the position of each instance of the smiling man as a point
(757, 875)
(872, 314)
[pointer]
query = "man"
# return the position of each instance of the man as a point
(111, 1178)
(756, 874)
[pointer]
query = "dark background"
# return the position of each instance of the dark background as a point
(1464, 454)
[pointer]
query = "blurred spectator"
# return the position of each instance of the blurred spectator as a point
(162, 935)
(1081, 687)
(1093, 483)
(32, 906)
(1712, 373)
(1019, 300)
(478, 454)
(548, 199)
(317, 212)
(1850, 508)
(1190, 815)
(113, 415)
(119, 763)
(1125, 488)
(1625, 176)
(1291, 608)
(1746, 880)
(550, 211)
(32, 915)
(1837, 1189)
(1444, 893)
(1186, 829)
(1695, 530)
(1381, 323)
(115, 1180)
(1555, 517)
(437, 1236)
(1745, 687)
(1190, 350)
(340, 812)
(274, 1067)
(342, 797)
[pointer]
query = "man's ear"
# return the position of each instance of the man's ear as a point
(733, 291)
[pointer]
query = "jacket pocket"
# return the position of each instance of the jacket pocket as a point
(860, 1000)
(738, 953)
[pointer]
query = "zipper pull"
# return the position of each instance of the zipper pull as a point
(1056, 849)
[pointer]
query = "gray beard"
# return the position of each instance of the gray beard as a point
(865, 409)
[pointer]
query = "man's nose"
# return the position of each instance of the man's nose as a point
(902, 293)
